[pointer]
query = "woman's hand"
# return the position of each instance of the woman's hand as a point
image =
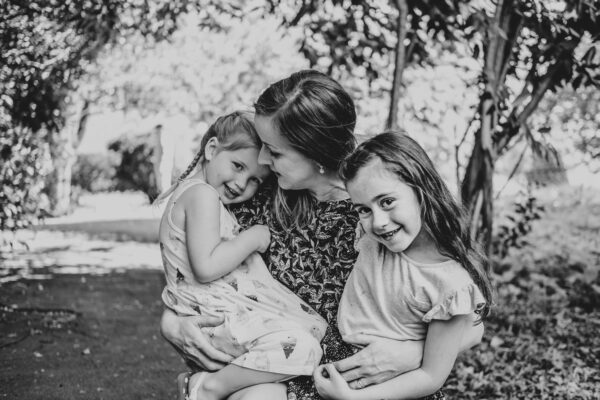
(379, 361)
(330, 384)
(185, 335)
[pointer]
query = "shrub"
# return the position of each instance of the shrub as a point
(135, 171)
(95, 172)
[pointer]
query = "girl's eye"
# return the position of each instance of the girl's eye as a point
(362, 211)
(386, 202)
(237, 166)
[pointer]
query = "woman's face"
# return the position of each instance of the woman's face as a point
(294, 171)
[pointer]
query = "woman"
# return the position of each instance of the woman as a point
(306, 123)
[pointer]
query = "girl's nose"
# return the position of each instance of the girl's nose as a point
(380, 219)
(241, 183)
(264, 158)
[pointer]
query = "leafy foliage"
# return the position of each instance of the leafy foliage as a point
(534, 45)
(541, 340)
(360, 37)
(511, 234)
(194, 73)
(45, 47)
(21, 164)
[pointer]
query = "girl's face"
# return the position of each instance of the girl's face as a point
(294, 171)
(235, 174)
(388, 208)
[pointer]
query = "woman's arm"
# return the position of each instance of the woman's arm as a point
(441, 348)
(210, 257)
(186, 336)
(383, 359)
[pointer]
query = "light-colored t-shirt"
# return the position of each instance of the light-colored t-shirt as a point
(392, 296)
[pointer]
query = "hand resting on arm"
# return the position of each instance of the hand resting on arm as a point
(383, 359)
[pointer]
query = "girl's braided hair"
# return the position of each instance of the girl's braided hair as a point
(233, 131)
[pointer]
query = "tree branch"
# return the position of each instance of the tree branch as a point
(516, 118)
(392, 121)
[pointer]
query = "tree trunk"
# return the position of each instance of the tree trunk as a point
(62, 150)
(58, 183)
(400, 63)
(477, 186)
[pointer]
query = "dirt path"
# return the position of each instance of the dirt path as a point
(85, 337)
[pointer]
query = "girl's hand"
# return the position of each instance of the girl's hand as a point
(185, 334)
(330, 384)
(379, 361)
(262, 236)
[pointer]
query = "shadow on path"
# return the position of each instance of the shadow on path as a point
(85, 337)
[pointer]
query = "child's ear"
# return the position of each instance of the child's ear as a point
(211, 148)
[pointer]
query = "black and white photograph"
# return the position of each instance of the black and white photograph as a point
(299, 200)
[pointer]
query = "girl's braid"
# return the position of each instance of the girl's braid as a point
(192, 165)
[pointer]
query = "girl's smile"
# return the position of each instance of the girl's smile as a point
(389, 235)
(235, 175)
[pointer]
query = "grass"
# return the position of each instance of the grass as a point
(542, 338)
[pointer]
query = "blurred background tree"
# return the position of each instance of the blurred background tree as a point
(46, 46)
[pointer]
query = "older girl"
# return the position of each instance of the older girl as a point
(418, 275)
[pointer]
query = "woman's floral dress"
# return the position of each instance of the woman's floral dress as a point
(314, 262)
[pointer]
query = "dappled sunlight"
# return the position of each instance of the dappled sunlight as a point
(44, 254)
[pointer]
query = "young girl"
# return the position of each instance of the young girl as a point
(417, 276)
(213, 270)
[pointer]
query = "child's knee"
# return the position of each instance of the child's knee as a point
(274, 391)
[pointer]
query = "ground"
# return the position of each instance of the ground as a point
(79, 311)
(85, 337)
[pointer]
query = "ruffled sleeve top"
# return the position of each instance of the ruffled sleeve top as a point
(392, 296)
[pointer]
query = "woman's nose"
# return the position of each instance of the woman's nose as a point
(264, 158)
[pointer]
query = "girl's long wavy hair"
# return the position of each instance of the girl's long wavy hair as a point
(234, 131)
(442, 217)
(317, 116)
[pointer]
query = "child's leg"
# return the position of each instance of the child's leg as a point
(232, 378)
(271, 391)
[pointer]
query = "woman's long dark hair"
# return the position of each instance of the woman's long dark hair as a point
(442, 217)
(317, 116)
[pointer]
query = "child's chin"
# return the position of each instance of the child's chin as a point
(393, 247)
(237, 200)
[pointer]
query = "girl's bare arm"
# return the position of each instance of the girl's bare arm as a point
(210, 257)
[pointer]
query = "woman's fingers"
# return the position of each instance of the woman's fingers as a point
(351, 375)
(206, 363)
(348, 363)
(199, 348)
(217, 355)
(207, 321)
(370, 380)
